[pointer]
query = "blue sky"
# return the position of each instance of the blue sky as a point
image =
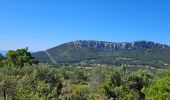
(41, 24)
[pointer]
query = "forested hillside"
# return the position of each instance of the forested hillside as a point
(22, 78)
(138, 53)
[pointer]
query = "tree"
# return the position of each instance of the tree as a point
(18, 58)
(99, 75)
(160, 88)
(7, 85)
(138, 80)
(124, 85)
(1, 58)
(38, 82)
(76, 91)
(24, 93)
(115, 86)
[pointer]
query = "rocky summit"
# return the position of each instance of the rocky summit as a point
(112, 46)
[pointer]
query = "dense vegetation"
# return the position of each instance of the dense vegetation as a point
(156, 57)
(1, 57)
(22, 78)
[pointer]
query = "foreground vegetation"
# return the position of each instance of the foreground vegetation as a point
(22, 78)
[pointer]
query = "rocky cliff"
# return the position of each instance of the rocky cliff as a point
(112, 46)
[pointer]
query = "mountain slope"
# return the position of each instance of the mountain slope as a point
(144, 53)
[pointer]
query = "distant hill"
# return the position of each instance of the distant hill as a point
(3, 52)
(144, 53)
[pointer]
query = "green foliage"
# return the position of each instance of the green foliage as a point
(99, 75)
(18, 58)
(38, 82)
(160, 88)
(1, 56)
(75, 92)
(125, 85)
(23, 93)
(7, 85)
(82, 82)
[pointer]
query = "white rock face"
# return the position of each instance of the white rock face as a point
(112, 46)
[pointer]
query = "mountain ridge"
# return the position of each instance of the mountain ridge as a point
(118, 45)
(137, 52)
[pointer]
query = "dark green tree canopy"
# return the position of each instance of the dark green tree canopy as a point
(19, 58)
(1, 57)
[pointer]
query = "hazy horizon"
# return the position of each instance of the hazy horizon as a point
(42, 24)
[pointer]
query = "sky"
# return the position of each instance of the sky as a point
(42, 24)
